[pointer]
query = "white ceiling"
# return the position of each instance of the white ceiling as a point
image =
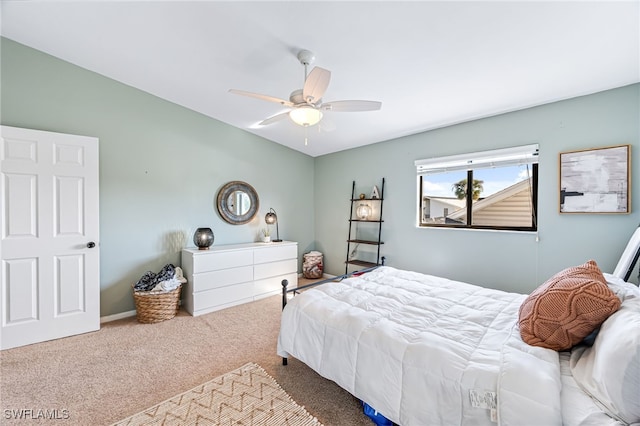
(431, 64)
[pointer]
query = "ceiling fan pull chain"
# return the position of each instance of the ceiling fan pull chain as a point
(306, 135)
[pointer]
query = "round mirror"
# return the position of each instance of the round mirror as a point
(237, 202)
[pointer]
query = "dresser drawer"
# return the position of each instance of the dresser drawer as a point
(274, 252)
(221, 278)
(273, 269)
(222, 296)
(212, 261)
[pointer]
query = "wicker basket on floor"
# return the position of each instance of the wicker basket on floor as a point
(156, 306)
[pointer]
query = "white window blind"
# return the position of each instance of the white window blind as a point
(527, 154)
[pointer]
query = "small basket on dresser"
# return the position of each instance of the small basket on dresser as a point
(156, 306)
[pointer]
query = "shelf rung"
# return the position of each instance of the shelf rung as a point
(375, 243)
(361, 263)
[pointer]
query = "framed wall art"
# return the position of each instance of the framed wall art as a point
(595, 180)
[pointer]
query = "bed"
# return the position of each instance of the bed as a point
(425, 350)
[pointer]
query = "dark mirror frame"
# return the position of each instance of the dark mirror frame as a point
(222, 202)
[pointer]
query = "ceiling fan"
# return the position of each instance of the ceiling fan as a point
(306, 104)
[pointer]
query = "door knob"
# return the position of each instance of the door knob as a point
(91, 244)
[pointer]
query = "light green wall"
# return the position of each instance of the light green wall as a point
(161, 166)
(505, 260)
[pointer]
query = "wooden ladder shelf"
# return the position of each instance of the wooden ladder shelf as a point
(372, 235)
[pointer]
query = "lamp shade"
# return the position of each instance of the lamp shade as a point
(305, 116)
(203, 238)
(271, 218)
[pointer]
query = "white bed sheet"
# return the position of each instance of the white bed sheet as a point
(416, 347)
(578, 409)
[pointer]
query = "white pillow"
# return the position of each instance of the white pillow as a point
(609, 370)
(621, 288)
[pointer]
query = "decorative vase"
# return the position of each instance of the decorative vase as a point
(266, 239)
(203, 238)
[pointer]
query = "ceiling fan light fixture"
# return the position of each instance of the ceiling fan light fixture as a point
(305, 116)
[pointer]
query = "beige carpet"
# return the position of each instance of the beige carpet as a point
(102, 377)
(245, 396)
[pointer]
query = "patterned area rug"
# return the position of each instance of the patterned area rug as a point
(246, 396)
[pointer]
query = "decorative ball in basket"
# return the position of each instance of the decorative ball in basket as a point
(157, 296)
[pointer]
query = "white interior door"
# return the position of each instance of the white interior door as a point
(50, 236)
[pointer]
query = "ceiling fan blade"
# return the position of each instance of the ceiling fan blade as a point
(263, 97)
(315, 85)
(274, 119)
(347, 106)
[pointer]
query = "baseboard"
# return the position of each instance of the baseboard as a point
(115, 317)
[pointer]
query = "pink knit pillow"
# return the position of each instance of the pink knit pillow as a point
(567, 308)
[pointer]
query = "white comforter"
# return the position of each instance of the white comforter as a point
(424, 350)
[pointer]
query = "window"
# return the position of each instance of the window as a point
(503, 193)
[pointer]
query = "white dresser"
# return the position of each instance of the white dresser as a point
(228, 275)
